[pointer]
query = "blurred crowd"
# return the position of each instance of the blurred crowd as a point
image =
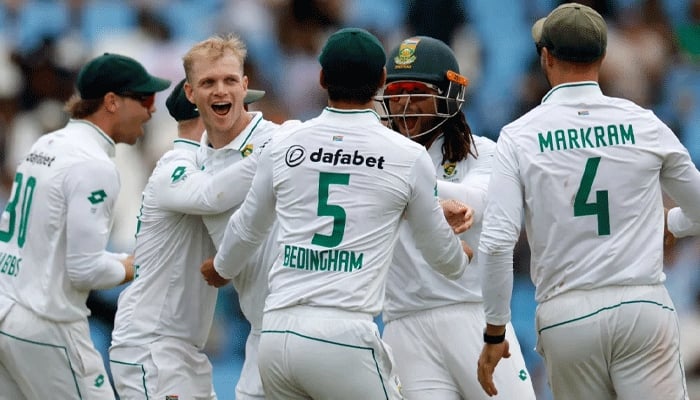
(653, 58)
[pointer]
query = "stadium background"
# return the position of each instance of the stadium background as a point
(653, 58)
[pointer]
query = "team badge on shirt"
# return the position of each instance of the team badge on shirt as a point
(247, 150)
(449, 169)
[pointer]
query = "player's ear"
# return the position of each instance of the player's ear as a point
(188, 92)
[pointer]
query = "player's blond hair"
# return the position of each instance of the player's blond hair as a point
(214, 48)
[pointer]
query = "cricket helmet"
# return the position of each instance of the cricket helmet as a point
(422, 59)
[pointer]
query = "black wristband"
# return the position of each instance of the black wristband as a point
(490, 339)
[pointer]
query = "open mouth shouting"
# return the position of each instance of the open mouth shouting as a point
(221, 108)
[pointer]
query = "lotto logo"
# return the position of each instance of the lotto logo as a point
(172, 397)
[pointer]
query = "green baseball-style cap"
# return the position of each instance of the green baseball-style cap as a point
(116, 73)
(352, 52)
(253, 96)
(572, 32)
(181, 109)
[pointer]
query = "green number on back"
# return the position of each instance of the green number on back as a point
(600, 207)
(11, 209)
(331, 210)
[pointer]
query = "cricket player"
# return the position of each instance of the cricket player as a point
(164, 317)
(339, 185)
(54, 231)
(216, 84)
(587, 171)
(434, 324)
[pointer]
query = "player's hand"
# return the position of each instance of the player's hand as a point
(459, 215)
(210, 275)
(491, 354)
(128, 264)
(467, 250)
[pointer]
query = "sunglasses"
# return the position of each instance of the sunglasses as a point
(146, 100)
(410, 87)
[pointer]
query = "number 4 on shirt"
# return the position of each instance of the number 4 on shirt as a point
(600, 207)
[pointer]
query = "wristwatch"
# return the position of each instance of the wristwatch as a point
(491, 339)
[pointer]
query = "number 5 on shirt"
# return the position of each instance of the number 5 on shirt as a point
(326, 179)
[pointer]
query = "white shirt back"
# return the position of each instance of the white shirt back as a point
(587, 168)
(55, 229)
(339, 185)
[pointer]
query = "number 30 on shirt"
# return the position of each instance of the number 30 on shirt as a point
(10, 217)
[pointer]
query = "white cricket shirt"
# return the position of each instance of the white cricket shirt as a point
(168, 296)
(55, 228)
(585, 169)
(339, 185)
(251, 283)
(411, 284)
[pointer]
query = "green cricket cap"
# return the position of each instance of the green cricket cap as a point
(352, 52)
(572, 32)
(116, 73)
(178, 106)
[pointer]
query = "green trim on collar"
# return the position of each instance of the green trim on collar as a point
(97, 128)
(362, 111)
(567, 85)
(186, 141)
(245, 141)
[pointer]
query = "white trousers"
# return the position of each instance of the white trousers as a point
(249, 386)
(324, 353)
(616, 343)
(168, 368)
(42, 359)
(437, 350)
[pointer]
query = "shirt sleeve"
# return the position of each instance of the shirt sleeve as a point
(250, 224)
(181, 186)
(680, 179)
(474, 186)
(91, 190)
(500, 231)
(440, 247)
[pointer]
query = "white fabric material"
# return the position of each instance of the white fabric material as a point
(168, 297)
(603, 157)
(251, 283)
(54, 232)
(412, 285)
(435, 352)
(618, 342)
(166, 367)
(680, 225)
(49, 360)
(304, 352)
(347, 225)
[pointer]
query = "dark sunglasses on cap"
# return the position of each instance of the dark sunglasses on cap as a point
(146, 99)
(410, 87)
